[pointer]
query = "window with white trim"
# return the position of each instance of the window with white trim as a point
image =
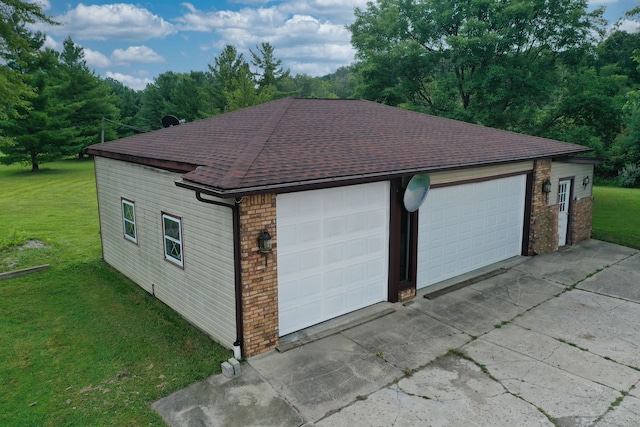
(129, 220)
(172, 230)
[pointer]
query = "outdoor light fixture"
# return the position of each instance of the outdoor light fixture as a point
(546, 187)
(586, 181)
(264, 244)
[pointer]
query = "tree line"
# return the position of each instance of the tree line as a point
(541, 68)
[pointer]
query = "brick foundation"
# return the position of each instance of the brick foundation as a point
(406, 295)
(259, 283)
(543, 231)
(581, 219)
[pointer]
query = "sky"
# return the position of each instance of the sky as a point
(135, 42)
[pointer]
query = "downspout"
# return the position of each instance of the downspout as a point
(235, 208)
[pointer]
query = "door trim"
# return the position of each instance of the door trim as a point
(569, 236)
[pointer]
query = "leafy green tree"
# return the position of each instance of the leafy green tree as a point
(244, 93)
(93, 97)
(483, 61)
(587, 110)
(14, 14)
(128, 103)
(271, 71)
(617, 49)
(227, 68)
(43, 131)
(178, 94)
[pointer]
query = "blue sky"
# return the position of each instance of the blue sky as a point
(135, 42)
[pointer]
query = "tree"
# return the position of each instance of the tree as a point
(489, 62)
(93, 98)
(271, 72)
(42, 131)
(226, 68)
(244, 93)
(128, 103)
(178, 94)
(14, 14)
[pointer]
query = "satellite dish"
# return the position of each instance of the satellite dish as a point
(416, 192)
(168, 121)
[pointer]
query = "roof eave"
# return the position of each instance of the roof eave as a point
(314, 184)
(169, 165)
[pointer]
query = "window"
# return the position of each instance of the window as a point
(129, 220)
(172, 230)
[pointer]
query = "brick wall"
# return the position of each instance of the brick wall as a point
(259, 283)
(543, 231)
(581, 219)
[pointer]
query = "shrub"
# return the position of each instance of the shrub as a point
(628, 175)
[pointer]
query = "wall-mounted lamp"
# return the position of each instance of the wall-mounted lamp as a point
(546, 187)
(586, 181)
(264, 244)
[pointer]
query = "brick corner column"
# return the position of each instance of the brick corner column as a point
(259, 282)
(543, 230)
(581, 219)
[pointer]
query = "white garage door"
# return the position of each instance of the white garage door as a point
(469, 226)
(332, 252)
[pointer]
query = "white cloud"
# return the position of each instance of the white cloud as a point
(95, 59)
(629, 26)
(141, 54)
(51, 43)
(309, 36)
(136, 83)
(44, 4)
(111, 21)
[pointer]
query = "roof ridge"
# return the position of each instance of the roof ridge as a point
(254, 147)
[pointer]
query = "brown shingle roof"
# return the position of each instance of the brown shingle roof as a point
(295, 142)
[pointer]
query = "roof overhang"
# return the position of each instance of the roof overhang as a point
(332, 182)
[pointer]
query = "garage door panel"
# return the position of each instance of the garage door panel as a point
(466, 227)
(348, 231)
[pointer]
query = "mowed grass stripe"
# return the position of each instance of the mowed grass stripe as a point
(80, 344)
(616, 215)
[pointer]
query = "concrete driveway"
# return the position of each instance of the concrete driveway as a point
(552, 340)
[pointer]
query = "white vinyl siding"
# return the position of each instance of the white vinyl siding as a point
(468, 226)
(561, 170)
(204, 291)
(333, 252)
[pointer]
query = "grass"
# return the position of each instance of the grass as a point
(616, 215)
(79, 343)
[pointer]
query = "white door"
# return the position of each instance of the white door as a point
(469, 226)
(564, 192)
(333, 252)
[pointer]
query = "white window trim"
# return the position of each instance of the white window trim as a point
(180, 242)
(134, 238)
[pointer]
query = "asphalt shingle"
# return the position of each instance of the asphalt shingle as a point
(302, 141)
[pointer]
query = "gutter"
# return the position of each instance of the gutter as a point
(235, 209)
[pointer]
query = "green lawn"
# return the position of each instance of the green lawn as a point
(616, 215)
(79, 343)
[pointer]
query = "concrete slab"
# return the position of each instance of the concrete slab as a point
(568, 398)
(627, 413)
(477, 309)
(245, 400)
(407, 338)
(574, 263)
(605, 326)
(449, 392)
(621, 280)
(563, 356)
(325, 375)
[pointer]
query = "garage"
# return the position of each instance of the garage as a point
(468, 226)
(332, 252)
